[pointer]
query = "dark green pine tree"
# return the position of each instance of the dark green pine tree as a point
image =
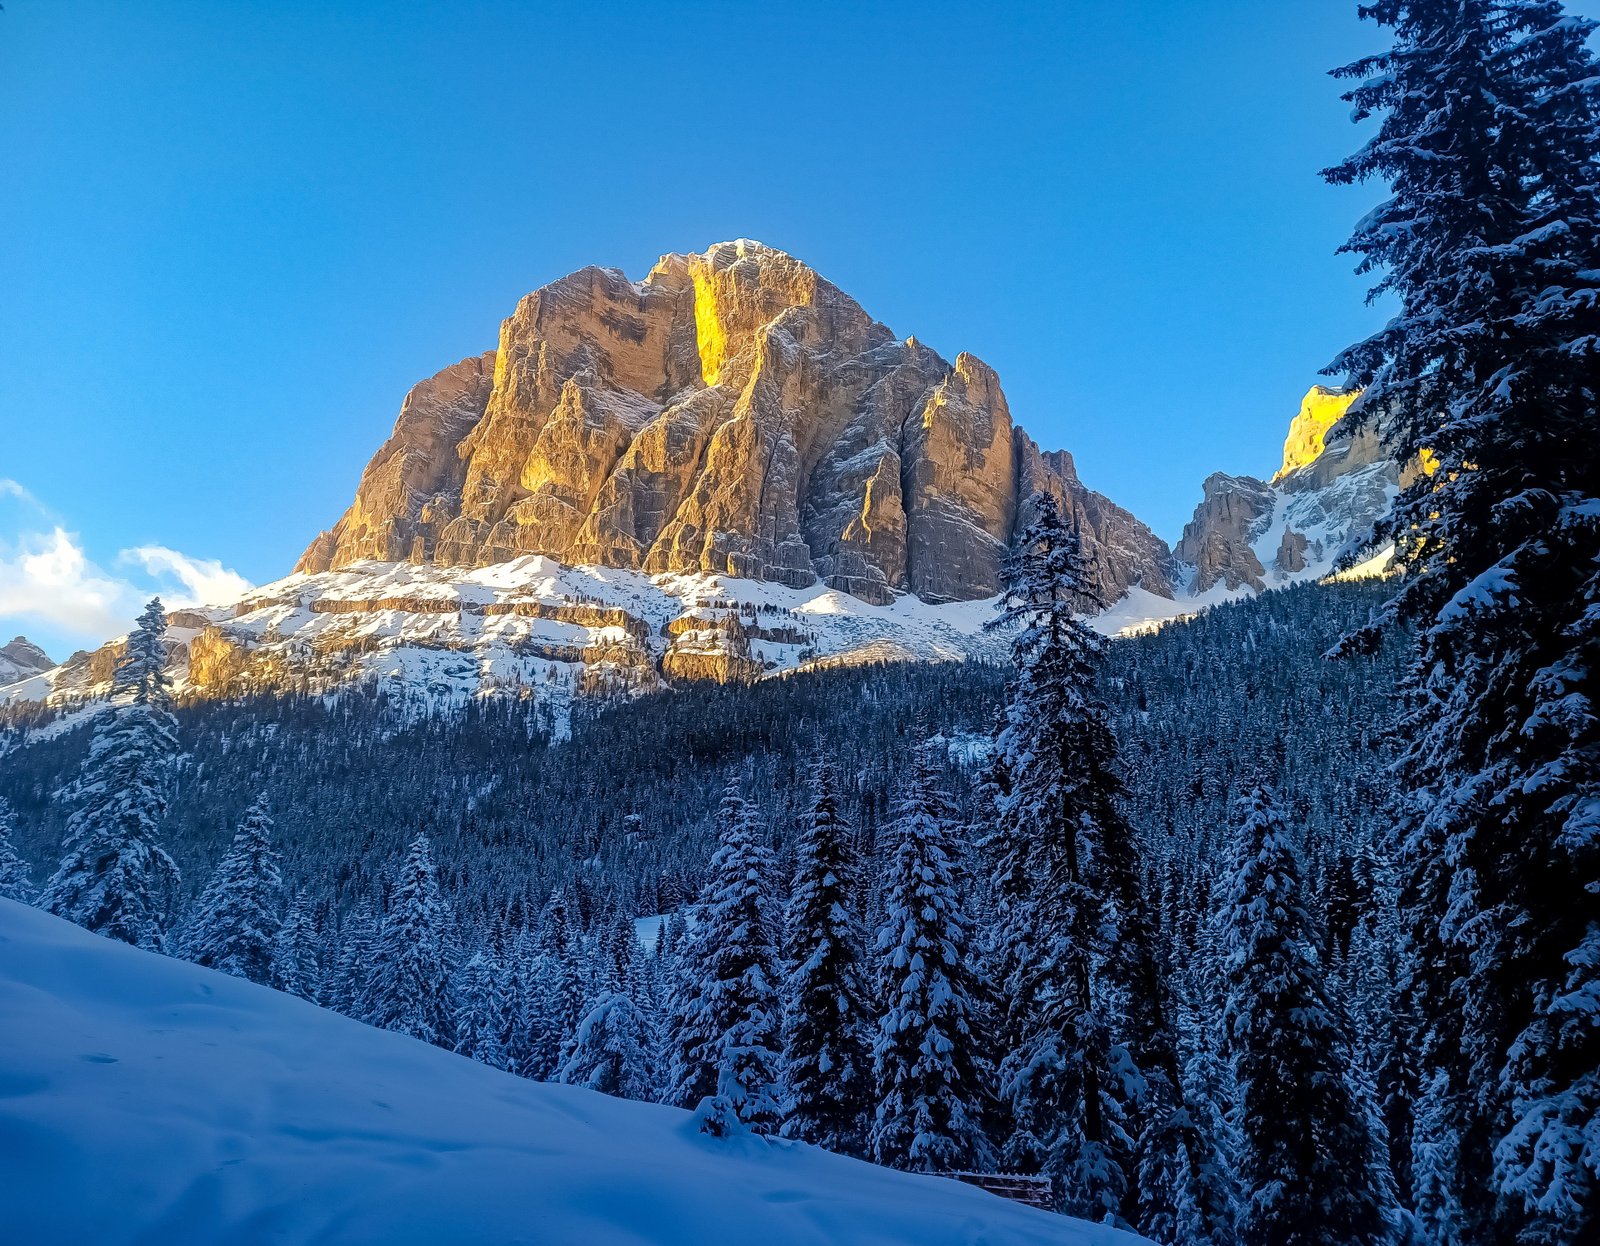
(727, 1060)
(236, 919)
(1079, 977)
(1312, 1165)
(1489, 376)
(828, 1061)
(16, 880)
(295, 966)
(926, 1058)
(409, 987)
(482, 1005)
(115, 878)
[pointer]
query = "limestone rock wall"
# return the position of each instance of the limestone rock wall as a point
(1217, 541)
(734, 412)
(1336, 482)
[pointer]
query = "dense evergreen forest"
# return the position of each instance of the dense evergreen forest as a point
(621, 814)
(815, 843)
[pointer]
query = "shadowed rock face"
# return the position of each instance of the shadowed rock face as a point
(734, 413)
(1217, 541)
(22, 659)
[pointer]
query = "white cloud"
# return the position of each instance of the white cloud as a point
(49, 585)
(206, 582)
(45, 577)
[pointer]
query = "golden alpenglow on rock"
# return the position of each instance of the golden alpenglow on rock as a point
(733, 413)
(1320, 410)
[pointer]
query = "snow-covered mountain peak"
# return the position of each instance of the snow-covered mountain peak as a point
(22, 659)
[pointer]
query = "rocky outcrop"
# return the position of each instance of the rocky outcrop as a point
(735, 413)
(216, 659)
(1291, 556)
(1335, 483)
(22, 659)
(1321, 409)
(1218, 541)
(415, 476)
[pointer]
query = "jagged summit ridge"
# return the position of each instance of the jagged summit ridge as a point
(733, 413)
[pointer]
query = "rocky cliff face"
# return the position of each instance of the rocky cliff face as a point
(22, 659)
(732, 413)
(1219, 541)
(1335, 483)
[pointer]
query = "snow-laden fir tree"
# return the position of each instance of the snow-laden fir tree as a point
(1311, 1165)
(557, 993)
(1188, 1187)
(1434, 1148)
(827, 1015)
(1079, 978)
(345, 989)
(115, 878)
(621, 959)
(482, 1006)
(726, 1012)
(16, 880)
(525, 1036)
(295, 959)
(1488, 377)
(1205, 1198)
(409, 987)
(927, 1058)
(614, 1050)
(236, 919)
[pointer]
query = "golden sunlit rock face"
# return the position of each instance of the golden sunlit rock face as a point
(1320, 410)
(735, 413)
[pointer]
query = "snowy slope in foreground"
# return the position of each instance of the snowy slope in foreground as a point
(146, 1100)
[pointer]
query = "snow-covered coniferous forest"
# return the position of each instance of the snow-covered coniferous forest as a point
(1275, 925)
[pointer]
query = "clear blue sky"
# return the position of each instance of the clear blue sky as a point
(233, 234)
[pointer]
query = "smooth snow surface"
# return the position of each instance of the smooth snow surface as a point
(147, 1101)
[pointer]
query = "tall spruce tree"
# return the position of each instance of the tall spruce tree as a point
(409, 987)
(1079, 976)
(295, 966)
(556, 994)
(1488, 377)
(1205, 1196)
(927, 1057)
(727, 1015)
(482, 1004)
(346, 988)
(1434, 1150)
(115, 878)
(1311, 1161)
(828, 1061)
(16, 880)
(236, 919)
